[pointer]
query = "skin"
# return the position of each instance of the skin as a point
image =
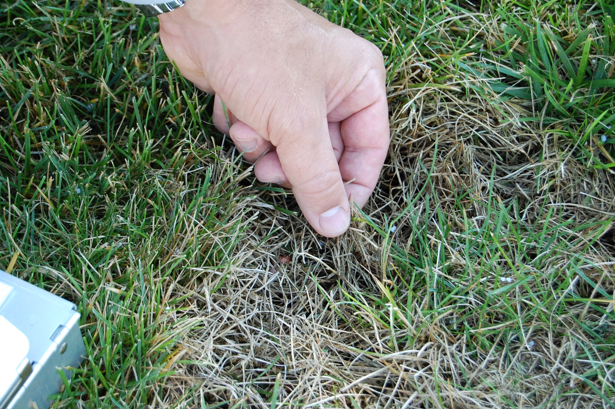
(306, 98)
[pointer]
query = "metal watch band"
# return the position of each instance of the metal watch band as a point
(152, 10)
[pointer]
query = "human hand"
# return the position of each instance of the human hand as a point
(306, 98)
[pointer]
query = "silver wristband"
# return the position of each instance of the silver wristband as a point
(152, 10)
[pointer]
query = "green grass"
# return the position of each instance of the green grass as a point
(558, 59)
(480, 275)
(493, 285)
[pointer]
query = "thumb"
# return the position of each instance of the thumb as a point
(308, 160)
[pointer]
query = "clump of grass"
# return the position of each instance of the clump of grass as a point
(556, 60)
(501, 304)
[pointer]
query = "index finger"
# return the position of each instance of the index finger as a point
(309, 163)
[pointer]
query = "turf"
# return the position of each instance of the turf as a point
(481, 274)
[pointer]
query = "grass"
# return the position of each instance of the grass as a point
(480, 275)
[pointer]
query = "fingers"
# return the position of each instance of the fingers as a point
(307, 157)
(268, 169)
(247, 141)
(309, 163)
(366, 142)
(365, 135)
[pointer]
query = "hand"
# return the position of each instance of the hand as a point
(305, 96)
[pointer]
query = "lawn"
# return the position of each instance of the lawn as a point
(481, 273)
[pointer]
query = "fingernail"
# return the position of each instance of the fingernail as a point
(335, 221)
(247, 146)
